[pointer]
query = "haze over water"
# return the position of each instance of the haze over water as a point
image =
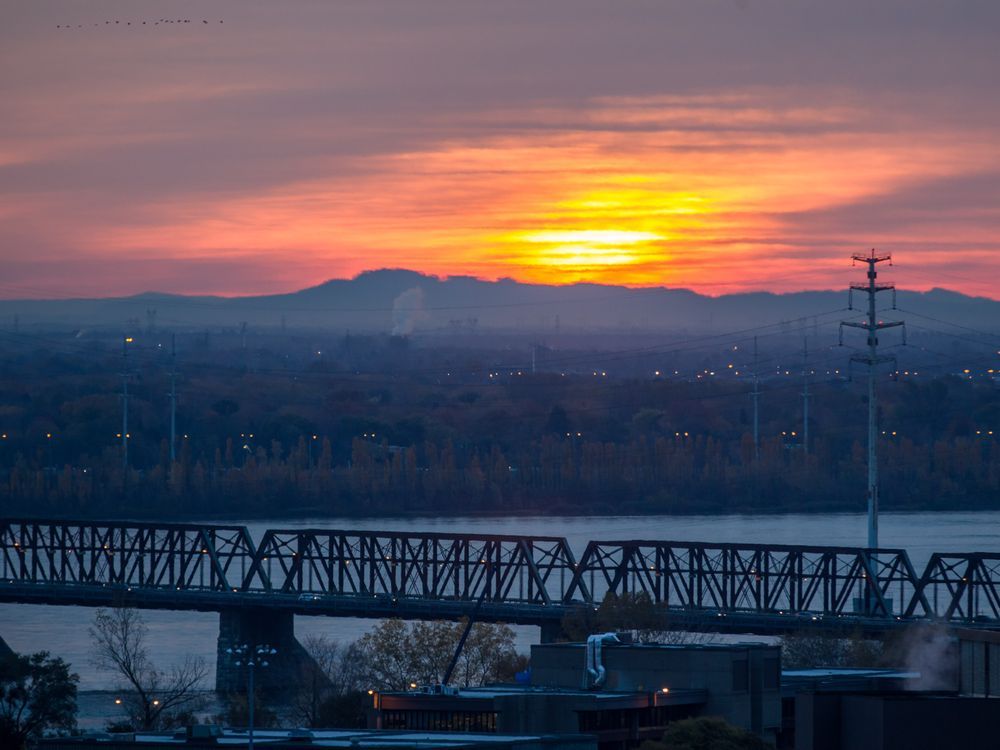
(173, 635)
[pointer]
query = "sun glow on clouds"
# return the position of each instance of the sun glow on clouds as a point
(589, 249)
(706, 145)
(671, 204)
(706, 193)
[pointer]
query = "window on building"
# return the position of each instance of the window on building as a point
(440, 721)
(772, 674)
(741, 675)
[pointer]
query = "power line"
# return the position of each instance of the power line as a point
(956, 325)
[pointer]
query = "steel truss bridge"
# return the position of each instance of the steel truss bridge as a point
(763, 588)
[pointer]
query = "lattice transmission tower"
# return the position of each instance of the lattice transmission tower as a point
(872, 359)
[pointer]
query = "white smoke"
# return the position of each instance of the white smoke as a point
(932, 652)
(408, 311)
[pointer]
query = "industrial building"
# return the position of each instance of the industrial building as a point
(611, 694)
(624, 693)
(620, 692)
(859, 709)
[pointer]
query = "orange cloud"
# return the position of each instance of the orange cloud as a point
(701, 199)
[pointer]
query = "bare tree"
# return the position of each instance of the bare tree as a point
(154, 698)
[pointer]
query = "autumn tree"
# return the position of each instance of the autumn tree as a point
(397, 655)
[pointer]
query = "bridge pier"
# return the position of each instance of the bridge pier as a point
(290, 667)
(551, 632)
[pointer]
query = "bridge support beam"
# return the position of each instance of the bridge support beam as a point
(291, 666)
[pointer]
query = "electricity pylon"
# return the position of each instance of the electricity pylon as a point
(872, 359)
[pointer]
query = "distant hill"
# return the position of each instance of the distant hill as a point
(404, 301)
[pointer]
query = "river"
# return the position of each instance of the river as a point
(173, 635)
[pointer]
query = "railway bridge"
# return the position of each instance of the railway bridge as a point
(258, 586)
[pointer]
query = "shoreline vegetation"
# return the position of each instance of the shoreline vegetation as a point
(317, 514)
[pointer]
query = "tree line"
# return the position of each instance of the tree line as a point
(342, 444)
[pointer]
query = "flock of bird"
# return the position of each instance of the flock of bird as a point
(130, 23)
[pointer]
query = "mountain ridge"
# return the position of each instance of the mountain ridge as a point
(404, 301)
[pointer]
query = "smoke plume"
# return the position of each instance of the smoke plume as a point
(932, 652)
(407, 311)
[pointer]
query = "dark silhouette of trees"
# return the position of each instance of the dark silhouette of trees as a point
(348, 443)
(37, 693)
(706, 733)
(331, 691)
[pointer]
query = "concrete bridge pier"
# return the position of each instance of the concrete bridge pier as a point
(289, 668)
(551, 632)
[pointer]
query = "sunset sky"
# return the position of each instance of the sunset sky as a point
(718, 145)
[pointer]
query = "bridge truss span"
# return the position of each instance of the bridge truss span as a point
(759, 578)
(961, 586)
(537, 580)
(431, 566)
(125, 554)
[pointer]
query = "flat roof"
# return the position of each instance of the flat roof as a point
(847, 672)
(365, 738)
(736, 646)
(483, 696)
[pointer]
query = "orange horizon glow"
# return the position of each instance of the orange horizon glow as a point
(749, 205)
(717, 213)
(253, 165)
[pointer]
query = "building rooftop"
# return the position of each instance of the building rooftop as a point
(842, 680)
(372, 739)
(834, 672)
(738, 645)
(676, 697)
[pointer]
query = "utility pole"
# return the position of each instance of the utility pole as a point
(805, 395)
(173, 399)
(756, 413)
(872, 359)
(125, 342)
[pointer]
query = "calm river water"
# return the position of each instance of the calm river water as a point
(63, 630)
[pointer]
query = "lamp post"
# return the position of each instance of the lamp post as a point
(251, 657)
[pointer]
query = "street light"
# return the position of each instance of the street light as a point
(251, 656)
